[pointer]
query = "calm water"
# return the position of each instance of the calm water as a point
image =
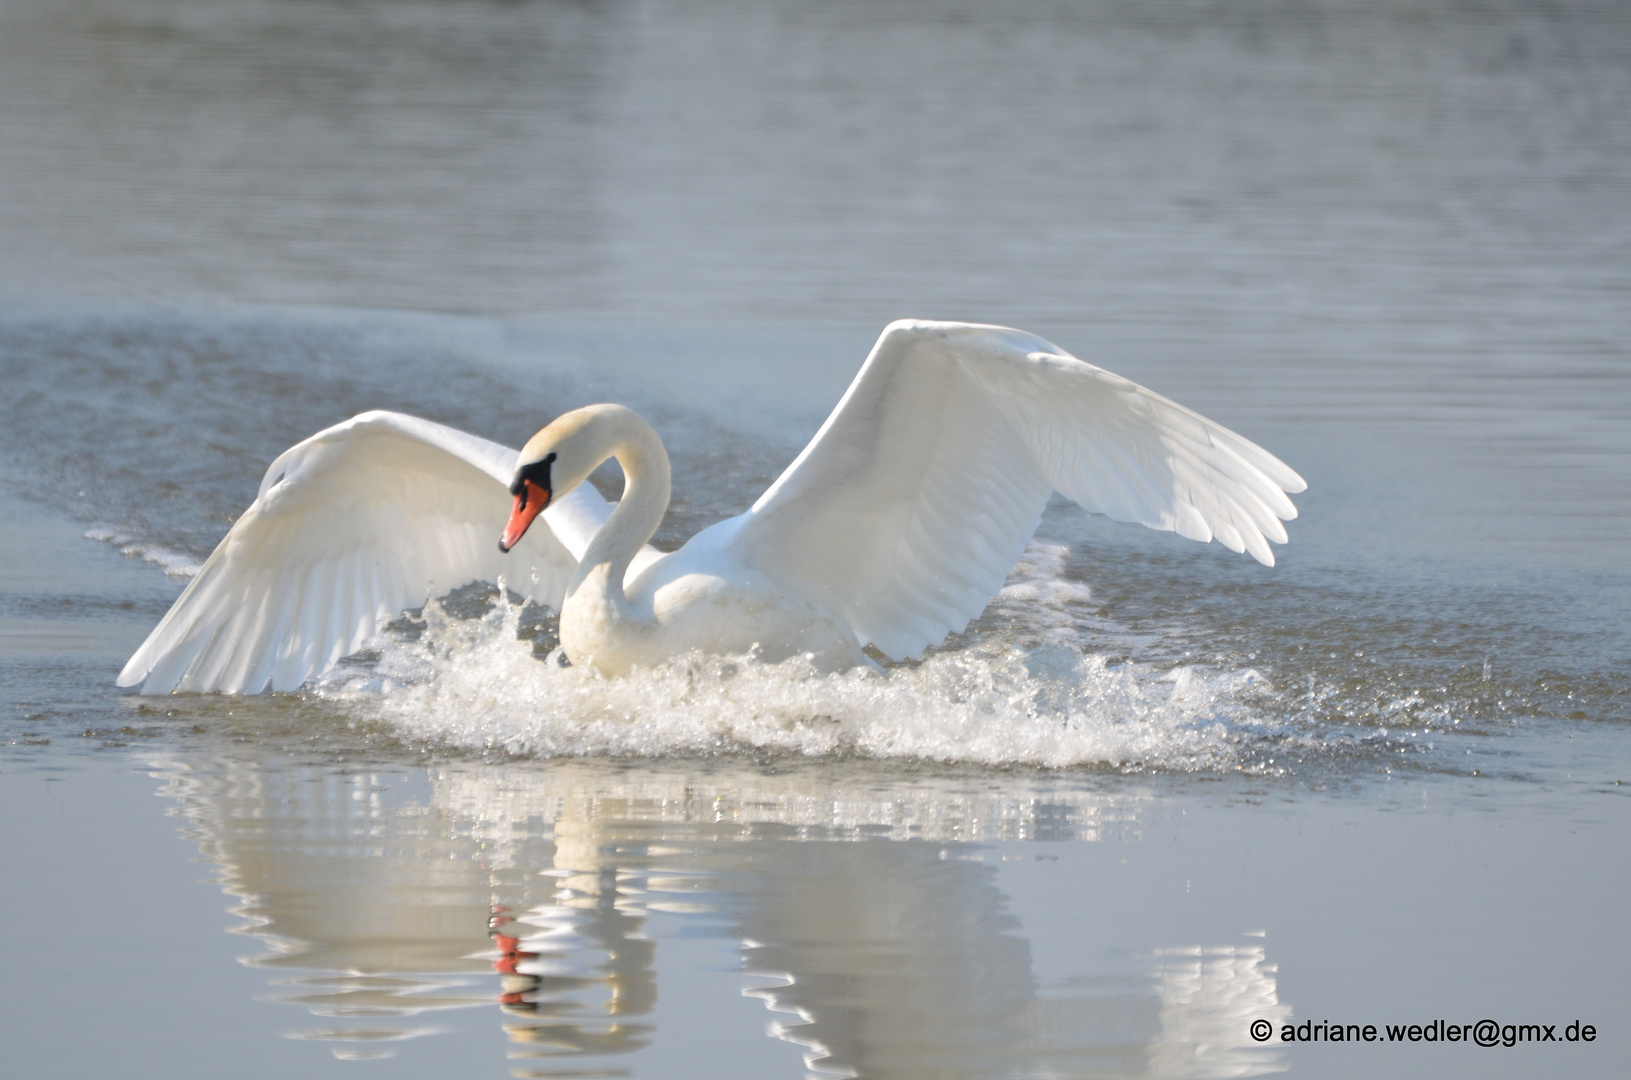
(1155, 793)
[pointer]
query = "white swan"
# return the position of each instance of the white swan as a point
(894, 527)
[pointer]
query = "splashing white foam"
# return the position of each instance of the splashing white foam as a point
(173, 563)
(473, 683)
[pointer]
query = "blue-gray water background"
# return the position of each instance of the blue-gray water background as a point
(1156, 792)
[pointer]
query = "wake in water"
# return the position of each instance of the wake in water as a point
(1040, 680)
(173, 563)
(1025, 687)
(480, 683)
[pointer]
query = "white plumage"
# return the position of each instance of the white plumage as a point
(894, 527)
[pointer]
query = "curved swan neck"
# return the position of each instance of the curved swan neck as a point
(646, 490)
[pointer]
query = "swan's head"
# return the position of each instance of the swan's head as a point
(558, 459)
(533, 490)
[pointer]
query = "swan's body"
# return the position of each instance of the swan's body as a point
(894, 527)
(705, 596)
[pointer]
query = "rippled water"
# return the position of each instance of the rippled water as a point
(1154, 793)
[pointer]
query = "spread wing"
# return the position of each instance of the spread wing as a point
(917, 496)
(351, 527)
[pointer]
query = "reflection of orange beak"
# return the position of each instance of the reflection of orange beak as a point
(529, 503)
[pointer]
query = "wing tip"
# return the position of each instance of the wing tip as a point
(141, 662)
(1022, 340)
(143, 683)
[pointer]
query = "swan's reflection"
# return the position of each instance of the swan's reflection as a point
(588, 939)
(383, 896)
(900, 961)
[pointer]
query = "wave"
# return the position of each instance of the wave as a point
(481, 684)
(173, 563)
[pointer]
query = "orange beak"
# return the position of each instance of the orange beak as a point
(529, 503)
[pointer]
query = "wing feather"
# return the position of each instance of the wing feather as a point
(910, 506)
(349, 528)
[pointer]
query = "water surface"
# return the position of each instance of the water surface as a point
(1154, 793)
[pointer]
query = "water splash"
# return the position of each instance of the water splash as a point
(478, 683)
